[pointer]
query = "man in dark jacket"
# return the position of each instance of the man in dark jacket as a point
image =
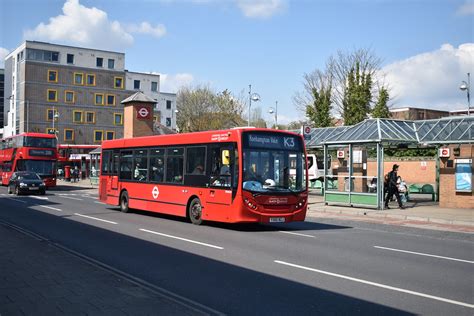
(392, 187)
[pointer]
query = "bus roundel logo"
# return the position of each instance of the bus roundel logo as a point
(155, 192)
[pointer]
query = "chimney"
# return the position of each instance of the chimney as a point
(138, 115)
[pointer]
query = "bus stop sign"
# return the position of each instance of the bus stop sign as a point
(306, 132)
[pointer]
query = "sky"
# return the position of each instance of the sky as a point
(427, 46)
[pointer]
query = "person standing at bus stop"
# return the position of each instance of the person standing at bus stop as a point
(393, 187)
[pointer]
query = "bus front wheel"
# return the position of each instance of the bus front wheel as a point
(124, 202)
(195, 212)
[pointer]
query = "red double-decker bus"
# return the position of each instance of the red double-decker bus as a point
(34, 152)
(238, 175)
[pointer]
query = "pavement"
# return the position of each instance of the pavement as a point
(420, 212)
(37, 277)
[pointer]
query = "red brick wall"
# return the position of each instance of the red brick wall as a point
(410, 170)
(448, 197)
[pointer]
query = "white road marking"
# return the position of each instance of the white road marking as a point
(90, 197)
(71, 198)
(99, 202)
(388, 287)
(97, 219)
(15, 200)
(424, 254)
(51, 208)
(38, 197)
(180, 238)
(297, 234)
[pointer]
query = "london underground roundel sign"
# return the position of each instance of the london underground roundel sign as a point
(143, 112)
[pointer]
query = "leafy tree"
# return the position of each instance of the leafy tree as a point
(381, 107)
(201, 109)
(357, 96)
(320, 111)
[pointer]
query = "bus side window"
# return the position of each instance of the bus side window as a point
(140, 165)
(157, 165)
(195, 160)
(174, 165)
(105, 161)
(221, 166)
(115, 163)
(126, 160)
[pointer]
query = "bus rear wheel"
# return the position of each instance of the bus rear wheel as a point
(124, 202)
(195, 211)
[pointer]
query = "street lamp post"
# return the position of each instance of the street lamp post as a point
(55, 117)
(252, 97)
(271, 111)
(174, 114)
(467, 86)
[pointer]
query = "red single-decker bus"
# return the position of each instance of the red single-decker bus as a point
(35, 152)
(238, 175)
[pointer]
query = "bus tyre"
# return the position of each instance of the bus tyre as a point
(124, 202)
(195, 211)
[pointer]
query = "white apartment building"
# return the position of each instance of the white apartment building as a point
(149, 84)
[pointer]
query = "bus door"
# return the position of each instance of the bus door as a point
(114, 170)
(221, 184)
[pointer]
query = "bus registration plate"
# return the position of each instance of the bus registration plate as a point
(277, 219)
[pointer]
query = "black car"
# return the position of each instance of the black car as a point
(26, 182)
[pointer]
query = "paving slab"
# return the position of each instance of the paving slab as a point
(29, 287)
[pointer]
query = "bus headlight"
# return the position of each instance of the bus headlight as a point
(250, 204)
(300, 203)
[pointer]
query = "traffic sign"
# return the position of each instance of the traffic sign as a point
(341, 154)
(444, 152)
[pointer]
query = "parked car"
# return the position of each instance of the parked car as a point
(26, 182)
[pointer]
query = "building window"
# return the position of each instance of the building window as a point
(118, 82)
(168, 104)
(50, 115)
(111, 64)
(52, 76)
(77, 116)
(118, 119)
(52, 95)
(136, 84)
(78, 78)
(90, 117)
(154, 86)
(99, 99)
(54, 56)
(100, 62)
(110, 99)
(98, 136)
(109, 135)
(68, 134)
(70, 59)
(90, 80)
(51, 131)
(69, 96)
(168, 121)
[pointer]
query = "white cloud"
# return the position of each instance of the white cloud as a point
(261, 8)
(81, 25)
(467, 8)
(172, 83)
(146, 28)
(3, 53)
(432, 79)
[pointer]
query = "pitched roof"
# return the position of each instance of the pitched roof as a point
(138, 97)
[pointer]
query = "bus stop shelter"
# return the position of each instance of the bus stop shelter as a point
(356, 182)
